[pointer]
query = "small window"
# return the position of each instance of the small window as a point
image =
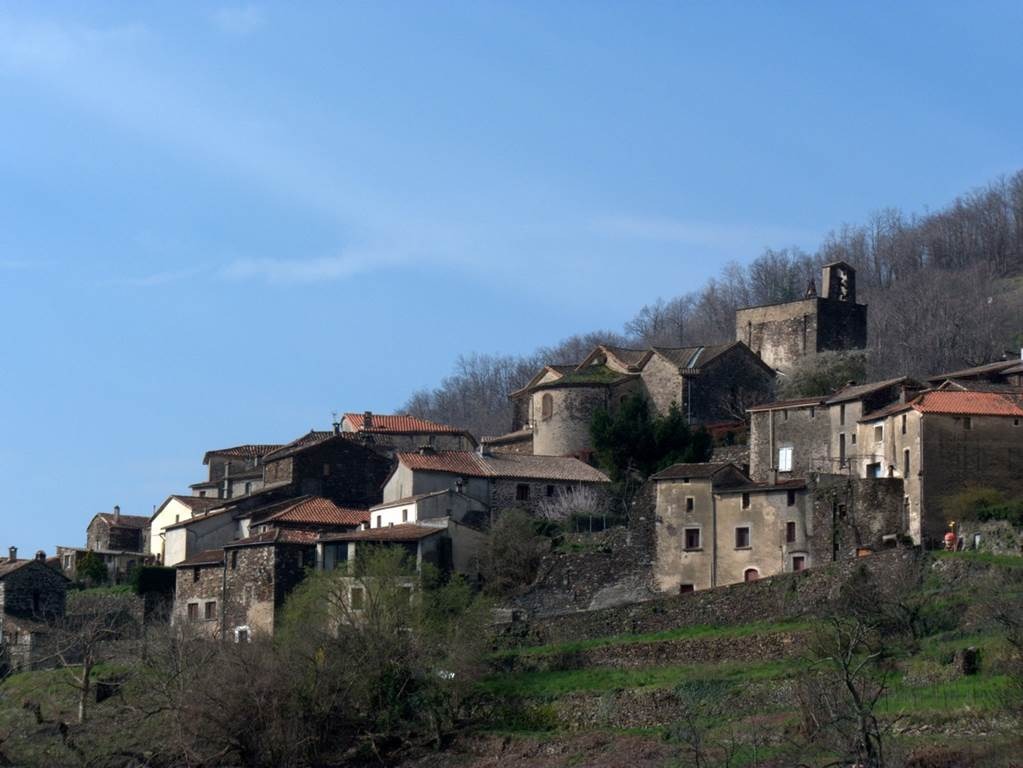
(202, 494)
(358, 598)
(879, 433)
(745, 501)
(177, 519)
(210, 610)
(967, 422)
(685, 588)
(690, 504)
(546, 406)
(326, 470)
(785, 414)
(195, 574)
(248, 488)
(404, 515)
(692, 538)
(1015, 422)
(685, 480)
(790, 532)
(193, 611)
(751, 574)
(742, 537)
(853, 438)
(785, 459)
(813, 412)
(380, 519)
(521, 492)
(841, 414)
(903, 422)
(550, 491)
(905, 463)
(234, 559)
(241, 634)
(790, 498)
(798, 562)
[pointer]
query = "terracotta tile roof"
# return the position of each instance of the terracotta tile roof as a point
(505, 465)
(310, 439)
(468, 463)
(1002, 366)
(277, 536)
(520, 435)
(314, 510)
(125, 521)
(955, 402)
(8, 567)
(524, 467)
(206, 557)
(251, 451)
(966, 404)
(856, 391)
(694, 471)
(403, 532)
(400, 424)
(800, 402)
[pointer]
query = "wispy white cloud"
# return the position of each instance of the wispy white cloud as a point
(304, 270)
(238, 20)
(706, 234)
(157, 279)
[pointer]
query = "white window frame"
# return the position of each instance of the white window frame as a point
(785, 458)
(238, 633)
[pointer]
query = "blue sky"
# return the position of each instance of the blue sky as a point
(219, 223)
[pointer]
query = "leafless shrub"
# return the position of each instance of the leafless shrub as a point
(566, 503)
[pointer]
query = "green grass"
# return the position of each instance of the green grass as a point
(1000, 561)
(559, 683)
(702, 632)
(978, 692)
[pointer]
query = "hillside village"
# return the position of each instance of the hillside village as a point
(790, 485)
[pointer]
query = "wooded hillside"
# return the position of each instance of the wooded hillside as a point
(945, 290)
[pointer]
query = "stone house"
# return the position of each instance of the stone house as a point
(336, 467)
(173, 510)
(234, 471)
(786, 334)
(391, 433)
(710, 384)
(940, 443)
(817, 434)
(500, 481)
(236, 593)
(423, 544)
(31, 595)
(122, 542)
(1007, 373)
(715, 526)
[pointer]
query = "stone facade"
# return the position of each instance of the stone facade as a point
(338, 467)
(198, 597)
(257, 581)
(800, 429)
(709, 385)
(31, 594)
(118, 533)
(850, 515)
(786, 334)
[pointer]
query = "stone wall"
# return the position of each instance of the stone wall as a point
(786, 596)
(726, 387)
(198, 585)
(612, 567)
(806, 429)
(662, 383)
(504, 492)
(33, 591)
(999, 537)
(841, 325)
(257, 580)
(567, 430)
(851, 512)
(782, 334)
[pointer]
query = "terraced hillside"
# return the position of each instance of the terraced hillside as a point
(742, 695)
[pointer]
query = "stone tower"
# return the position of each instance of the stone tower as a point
(786, 334)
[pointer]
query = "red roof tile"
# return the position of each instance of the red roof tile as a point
(503, 465)
(277, 536)
(251, 451)
(403, 424)
(316, 510)
(403, 532)
(966, 404)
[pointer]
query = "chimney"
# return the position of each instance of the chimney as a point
(12, 554)
(117, 512)
(41, 556)
(367, 420)
(337, 427)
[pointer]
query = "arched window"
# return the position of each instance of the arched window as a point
(546, 406)
(751, 574)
